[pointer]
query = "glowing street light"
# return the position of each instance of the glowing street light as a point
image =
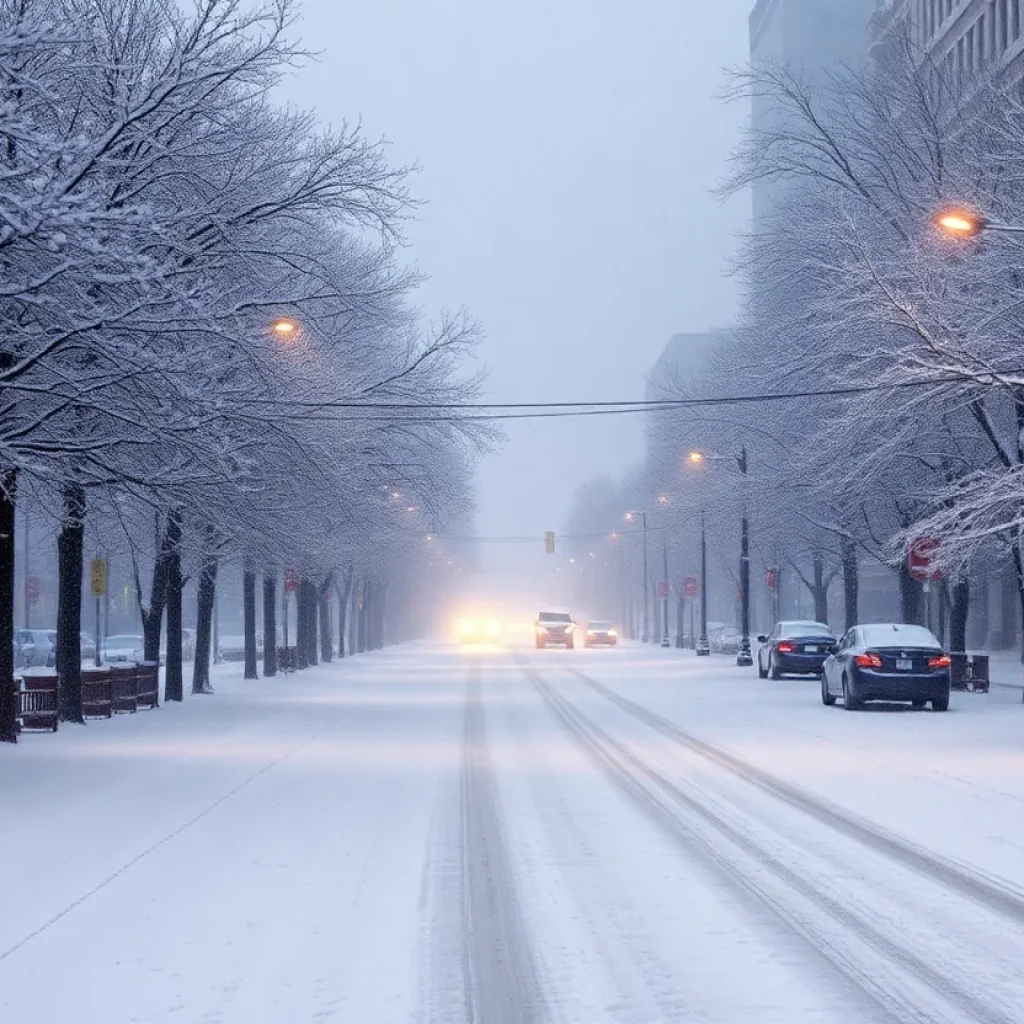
(962, 222)
(696, 458)
(285, 329)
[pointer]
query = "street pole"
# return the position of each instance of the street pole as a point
(744, 658)
(647, 622)
(28, 572)
(664, 604)
(703, 648)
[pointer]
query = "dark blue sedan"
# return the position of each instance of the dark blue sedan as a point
(891, 662)
(794, 648)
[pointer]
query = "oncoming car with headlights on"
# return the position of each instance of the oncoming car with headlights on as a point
(600, 634)
(477, 630)
(554, 629)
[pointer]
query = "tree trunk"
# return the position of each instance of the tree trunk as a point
(911, 604)
(1018, 565)
(958, 615)
(851, 582)
(326, 640)
(1011, 586)
(312, 656)
(343, 596)
(820, 590)
(206, 594)
(301, 644)
(269, 626)
(249, 619)
(152, 618)
(8, 701)
(174, 683)
(360, 623)
(69, 603)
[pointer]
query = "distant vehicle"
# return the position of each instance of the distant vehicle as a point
(123, 647)
(794, 648)
(35, 648)
(554, 629)
(232, 648)
(891, 661)
(473, 630)
(600, 634)
(726, 641)
(87, 646)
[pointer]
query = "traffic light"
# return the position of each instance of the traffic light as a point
(549, 542)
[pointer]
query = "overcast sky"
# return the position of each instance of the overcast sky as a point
(568, 150)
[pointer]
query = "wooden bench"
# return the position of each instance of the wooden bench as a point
(97, 693)
(38, 702)
(147, 691)
(125, 685)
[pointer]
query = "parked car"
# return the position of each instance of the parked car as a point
(794, 648)
(88, 647)
(123, 647)
(726, 641)
(35, 648)
(889, 661)
(600, 634)
(554, 628)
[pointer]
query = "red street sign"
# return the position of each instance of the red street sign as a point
(921, 560)
(662, 590)
(771, 579)
(691, 588)
(291, 582)
(32, 589)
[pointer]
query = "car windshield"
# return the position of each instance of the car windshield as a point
(562, 617)
(898, 635)
(795, 629)
(600, 625)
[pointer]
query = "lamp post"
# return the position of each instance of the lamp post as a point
(744, 657)
(664, 597)
(646, 636)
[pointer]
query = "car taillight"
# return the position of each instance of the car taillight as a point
(869, 661)
(942, 661)
(785, 647)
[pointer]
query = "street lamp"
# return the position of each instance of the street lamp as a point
(962, 222)
(744, 657)
(285, 329)
(645, 638)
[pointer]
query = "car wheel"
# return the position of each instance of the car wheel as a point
(761, 672)
(940, 703)
(919, 703)
(540, 646)
(850, 702)
(826, 698)
(773, 669)
(571, 645)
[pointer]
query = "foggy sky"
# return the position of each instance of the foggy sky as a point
(568, 149)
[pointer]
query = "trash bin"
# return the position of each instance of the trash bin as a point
(977, 676)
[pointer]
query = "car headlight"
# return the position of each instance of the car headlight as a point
(612, 632)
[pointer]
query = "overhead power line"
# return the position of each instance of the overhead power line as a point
(471, 411)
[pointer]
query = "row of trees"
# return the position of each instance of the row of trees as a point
(210, 351)
(885, 356)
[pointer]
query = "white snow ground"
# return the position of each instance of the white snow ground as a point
(540, 837)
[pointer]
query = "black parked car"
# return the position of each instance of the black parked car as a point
(794, 648)
(893, 661)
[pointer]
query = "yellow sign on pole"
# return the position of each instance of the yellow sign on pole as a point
(549, 542)
(98, 577)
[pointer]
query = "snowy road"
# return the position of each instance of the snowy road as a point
(545, 837)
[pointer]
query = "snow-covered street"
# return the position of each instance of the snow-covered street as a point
(429, 834)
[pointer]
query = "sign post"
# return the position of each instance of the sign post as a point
(98, 587)
(921, 559)
(549, 542)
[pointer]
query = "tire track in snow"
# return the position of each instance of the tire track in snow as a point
(993, 893)
(901, 983)
(498, 963)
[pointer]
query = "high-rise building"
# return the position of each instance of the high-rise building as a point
(811, 37)
(963, 36)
